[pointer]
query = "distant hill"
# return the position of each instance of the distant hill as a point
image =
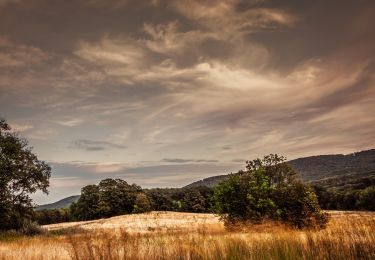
(326, 166)
(209, 182)
(338, 167)
(347, 181)
(64, 203)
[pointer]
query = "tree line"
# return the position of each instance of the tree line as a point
(199, 200)
(346, 199)
(268, 189)
(112, 197)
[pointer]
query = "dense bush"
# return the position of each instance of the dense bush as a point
(194, 199)
(31, 228)
(111, 197)
(268, 189)
(141, 204)
(50, 216)
(298, 205)
(347, 198)
(161, 199)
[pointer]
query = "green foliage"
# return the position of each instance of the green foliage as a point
(161, 199)
(111, 197)
(347, 192)
(190, 199)
(193, 201)
(21, 173)
(116, 197)
(259, 195)
(87, 207)
(51, 216)
(367, 199)
(347, 198)
(298, 205)
(142, 203)
(268, 189)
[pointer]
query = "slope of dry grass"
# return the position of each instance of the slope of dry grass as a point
(141, 223)
(167, 235)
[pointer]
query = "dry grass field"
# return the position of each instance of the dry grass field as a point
(168, 235)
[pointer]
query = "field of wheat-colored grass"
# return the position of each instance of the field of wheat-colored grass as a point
(170, 235)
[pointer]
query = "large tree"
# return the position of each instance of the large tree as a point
(111, 197)
(21, 174)
(268, 189)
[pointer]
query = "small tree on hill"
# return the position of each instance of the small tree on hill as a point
(268, 189)
(21, 173)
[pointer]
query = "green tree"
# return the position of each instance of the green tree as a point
(367, 198)
(21, 174)
(275, 168)
(111, 197)
(160, 199)
(298, 206)
(142, 203)
(268, 189)
(193, 201)
(245, 197)
(51, 216)
(117, 197)
(87, 207)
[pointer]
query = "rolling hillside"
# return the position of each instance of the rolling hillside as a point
(321, 168)
(326, 166)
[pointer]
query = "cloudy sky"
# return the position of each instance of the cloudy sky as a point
(166, 92)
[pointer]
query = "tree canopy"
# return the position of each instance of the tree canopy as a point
(21, 174)
(111, 197)
(268, 189)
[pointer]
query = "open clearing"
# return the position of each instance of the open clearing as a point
(171, 235)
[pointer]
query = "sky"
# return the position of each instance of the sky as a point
(163, 93)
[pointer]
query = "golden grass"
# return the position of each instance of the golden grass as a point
(167, 235)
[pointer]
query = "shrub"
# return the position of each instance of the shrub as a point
(268, 189)
(298, 205)
(142, 204)
(30, 228)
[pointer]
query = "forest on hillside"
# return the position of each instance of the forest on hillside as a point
(348, 192)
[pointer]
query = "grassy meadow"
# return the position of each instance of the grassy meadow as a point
(171, 235)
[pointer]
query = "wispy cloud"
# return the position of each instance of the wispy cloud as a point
(18, 55)
(179, 160)
(183, 83)
(91, 145)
